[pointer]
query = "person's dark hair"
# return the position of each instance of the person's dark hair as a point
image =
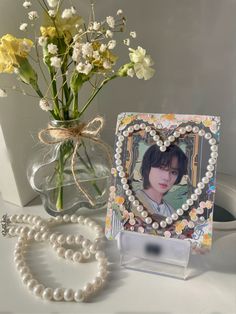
(153, 157)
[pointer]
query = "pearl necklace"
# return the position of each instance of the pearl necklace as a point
(40, 232)
(163, 144)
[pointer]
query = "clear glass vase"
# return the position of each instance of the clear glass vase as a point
(50, 173)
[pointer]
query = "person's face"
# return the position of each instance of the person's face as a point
(163, 178)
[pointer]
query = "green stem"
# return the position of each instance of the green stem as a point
(95, 93)
(75, 106)
(54, 91)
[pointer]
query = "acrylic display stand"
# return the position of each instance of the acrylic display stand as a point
(154, 254)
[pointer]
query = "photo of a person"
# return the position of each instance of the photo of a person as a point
(160, 171)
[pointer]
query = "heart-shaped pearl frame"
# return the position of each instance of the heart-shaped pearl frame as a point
(163, 144)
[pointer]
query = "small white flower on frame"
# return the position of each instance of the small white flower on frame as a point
(52, 3)
(52, 49)
(27, 4)
(55, 62)
(110, 21)
(45, 105)
(111, 44)
(23, 27)
(109, 34)
(33, 15)
(133, 34)
(3, 93)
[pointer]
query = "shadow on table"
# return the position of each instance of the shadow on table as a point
(221, 258)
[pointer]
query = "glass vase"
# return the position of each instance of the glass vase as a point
(66, 185)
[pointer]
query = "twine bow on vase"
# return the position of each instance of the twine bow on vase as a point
(90, 130)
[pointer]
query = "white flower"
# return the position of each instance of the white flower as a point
(55, 62)
(76, 52)
(96, 26)
(52, 13)
(107, 64)
(52, 3)
(3, 93)
(84, 68)
(25, 46)
(45, 104)
(33, 15)
(110, 21)
(130, 72)
(126, 41)
(68, 13)
(119, 12)
(52, 49)
(142, 63)
(103, 47)
(109, 34)
(23, 27)
(96, 55)
(27, 4)
(133, 34)
(42, 41)
(87, 50)
(111, 44)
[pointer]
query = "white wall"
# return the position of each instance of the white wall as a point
(193, 44)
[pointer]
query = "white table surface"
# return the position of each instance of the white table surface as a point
(210, 289)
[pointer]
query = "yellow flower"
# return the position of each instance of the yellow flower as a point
(127, 120)
(48, 31)
(207, 240)
(119, 200)
(169, 116)
(207, 122)
(12, 50)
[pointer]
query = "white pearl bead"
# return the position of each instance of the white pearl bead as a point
(86, 243)
(61, 238)
(79, 296)
(185, 206)
(198, 191)
(130, 129)
(26, 277)
(176, 134)
(53, 237)
(24, 270)
(208, 136)
(201, 133)
(169, 220)
(214, 154)
(148, 220)
(118, 150)
(47, 294)
(148, 128)
(140, 208)
(214, 148)
(68, 295)
(121, 138)
(86, 254)
(195, 129)
(128, 192)
(38, 290)
(155, 225)
(189, 202)
(99, 255)
(205, 180)
(159, 143)
(212, 161)
(66, 218)
(162, 148)
(79, 239)
(80, 220)
(163, 224)
(126, 133)
(93, 248)
(174, 216)
(194, 197)
(61, 252)
(119, 144)
(152, 132)
(171, 138)
(167, 143)
(117, 156)
(188, 128)
(135, 202)
(69, 254)
(88, 289)
(182, 130)
(45, 236)
(156, 138)
(97, 282)
(144, 214)
(212, 141)
(131, 198)
(121, 174)
(38, 236)
(58, 294)
(201, 185)
(209, 174)
(70, 239)
(73, 218)
(120, 168)
(125, 187)
(58, 219)
(142, 126)
(12, 231)
(118, 162)
(123, 180)
(31, 284)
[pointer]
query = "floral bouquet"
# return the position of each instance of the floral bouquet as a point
(69, 53)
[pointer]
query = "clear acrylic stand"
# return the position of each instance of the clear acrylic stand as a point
(154, 254)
